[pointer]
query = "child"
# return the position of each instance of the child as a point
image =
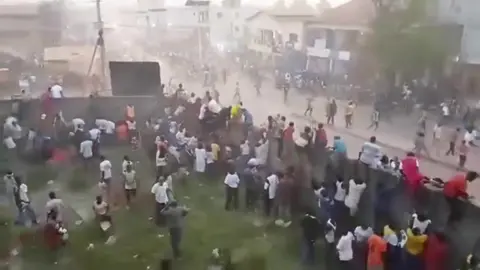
(462, 155)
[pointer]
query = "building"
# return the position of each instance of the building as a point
(273, 30)
(19, 29)
(465, 14)
(227, 26)
(333, 37)
(28, 28)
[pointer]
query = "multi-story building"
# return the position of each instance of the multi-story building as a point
(227, 26)
(332, 39)
(19, 29)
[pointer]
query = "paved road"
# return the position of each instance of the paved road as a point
(396, 137)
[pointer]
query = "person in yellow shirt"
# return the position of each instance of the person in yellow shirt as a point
(414, 248)
(235, 111)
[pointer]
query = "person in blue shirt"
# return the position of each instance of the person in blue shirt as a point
(247, 120)
(339, 154)
(339, 145)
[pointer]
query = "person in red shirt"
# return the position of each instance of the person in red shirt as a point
(411, 171)
(455, 189)
(436, 252)
(321, 138)
(288, 144)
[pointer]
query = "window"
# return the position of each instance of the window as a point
(292, 37)
(203, 17)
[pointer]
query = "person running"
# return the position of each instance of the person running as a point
(452, 142)
(236, 96)
(174, 216)
(309, 109)
(375, 119)
(462, 155)
(349, 114)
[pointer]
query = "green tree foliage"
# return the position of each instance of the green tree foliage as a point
(405, 40)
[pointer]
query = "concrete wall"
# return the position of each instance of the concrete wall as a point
(112, 108)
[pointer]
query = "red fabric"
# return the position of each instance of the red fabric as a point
(60, 155)
(163, 145)
(288, 133)
(53, 239)
(322, 136)
(122, 132)
(435, 254)
(456, 187)
(413, 176)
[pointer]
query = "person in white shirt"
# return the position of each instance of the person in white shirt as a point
(421, 222)
(24, 205)
(86, 150)
(130, 183)
(95, 134)
(330, 228)
(232, 181)
(78, 124)
(132, 129)
(161, 161)
(245, 149)
(340, 192)
(126, 161)
(101, 210)
(159, 190)
(210, 160)
(356, 187)
(203, 110)
(56, 91)
(200, 158)
(270, 188)
(105, 172)
(54, 204)
(345, 251)
(213, 106)
(182, 140)
(362, 233)
(105, 126)
(261, 153)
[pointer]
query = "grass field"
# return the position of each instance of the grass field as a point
(255, 243)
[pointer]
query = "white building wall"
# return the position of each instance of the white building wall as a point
(187, 16)
(466, 13)
(227, 25)
(293, 27)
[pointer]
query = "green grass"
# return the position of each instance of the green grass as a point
(140, 243)
(37, 176)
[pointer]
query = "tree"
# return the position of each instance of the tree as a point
(405, 41)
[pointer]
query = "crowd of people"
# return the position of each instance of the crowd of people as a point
(178, 146)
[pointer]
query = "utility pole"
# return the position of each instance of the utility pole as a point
(101, 43)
